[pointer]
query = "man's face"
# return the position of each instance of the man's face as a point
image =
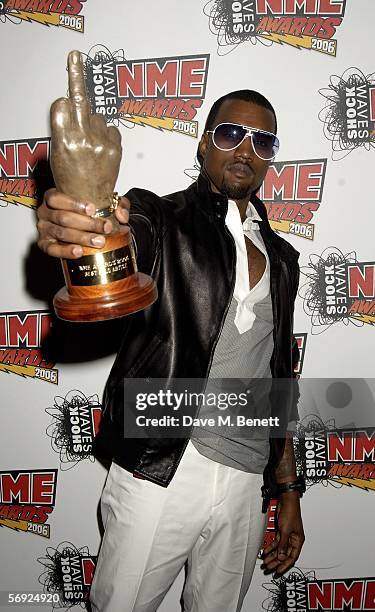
(240, 172)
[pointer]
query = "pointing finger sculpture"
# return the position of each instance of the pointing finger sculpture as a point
(85, 161)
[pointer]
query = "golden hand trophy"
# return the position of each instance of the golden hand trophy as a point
(85, 161)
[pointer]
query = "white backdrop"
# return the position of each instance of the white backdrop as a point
(339, 542)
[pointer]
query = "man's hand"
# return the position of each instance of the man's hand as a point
(66, 225)
(284, 551)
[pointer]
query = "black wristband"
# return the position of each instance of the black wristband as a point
(275, 490)
(295, 485)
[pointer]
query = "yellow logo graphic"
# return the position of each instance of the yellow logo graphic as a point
(62, 13)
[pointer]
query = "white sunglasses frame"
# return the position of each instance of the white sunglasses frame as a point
(249, 133)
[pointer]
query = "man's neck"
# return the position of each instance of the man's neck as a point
(241, 204)
(242, 207)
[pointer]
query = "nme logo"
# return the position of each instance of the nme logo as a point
(338, 288)
(304, 592)
(27, 498)
(63, 13)
(163, 93)
(346, 457)
(304, 24)
(292, 192)
(22, 162)
(21, 338)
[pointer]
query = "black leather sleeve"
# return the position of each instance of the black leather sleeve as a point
(146, 224)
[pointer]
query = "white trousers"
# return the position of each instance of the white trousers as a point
(209, 515)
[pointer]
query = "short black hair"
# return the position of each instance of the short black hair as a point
(247, 95)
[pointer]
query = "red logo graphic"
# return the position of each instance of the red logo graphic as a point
(341, 457)
(21, 161)
(292, 192)
(27, 498)
(163, 93)
(21, 337)
(352, 454)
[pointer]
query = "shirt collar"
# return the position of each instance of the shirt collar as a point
(251, 215)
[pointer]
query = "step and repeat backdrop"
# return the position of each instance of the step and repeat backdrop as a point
(154, 69)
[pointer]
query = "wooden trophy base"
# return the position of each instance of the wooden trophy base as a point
(104, 284)
(139, 291)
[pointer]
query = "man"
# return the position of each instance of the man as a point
(227, 285)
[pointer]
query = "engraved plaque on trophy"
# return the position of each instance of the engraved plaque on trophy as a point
(85, 159)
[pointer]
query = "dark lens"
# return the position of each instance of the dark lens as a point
(265, 145)
(228, 135)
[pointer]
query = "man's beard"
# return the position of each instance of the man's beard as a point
(235, 192)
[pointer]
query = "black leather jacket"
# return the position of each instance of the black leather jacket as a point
(182, 240)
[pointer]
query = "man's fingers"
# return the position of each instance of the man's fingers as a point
(295, 547)
(70, 220)
(284, 566)
(53, 233)
(283, 546)
(55, 200)
(77, 91)
(275, 562)
(64, 223)
(55, 249)
(122, 211)
(270, 557)
(271, 547)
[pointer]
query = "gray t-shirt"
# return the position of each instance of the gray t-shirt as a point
(241, 356)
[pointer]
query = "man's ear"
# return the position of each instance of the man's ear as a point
(203, 144)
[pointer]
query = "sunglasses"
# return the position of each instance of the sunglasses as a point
(229, 136)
